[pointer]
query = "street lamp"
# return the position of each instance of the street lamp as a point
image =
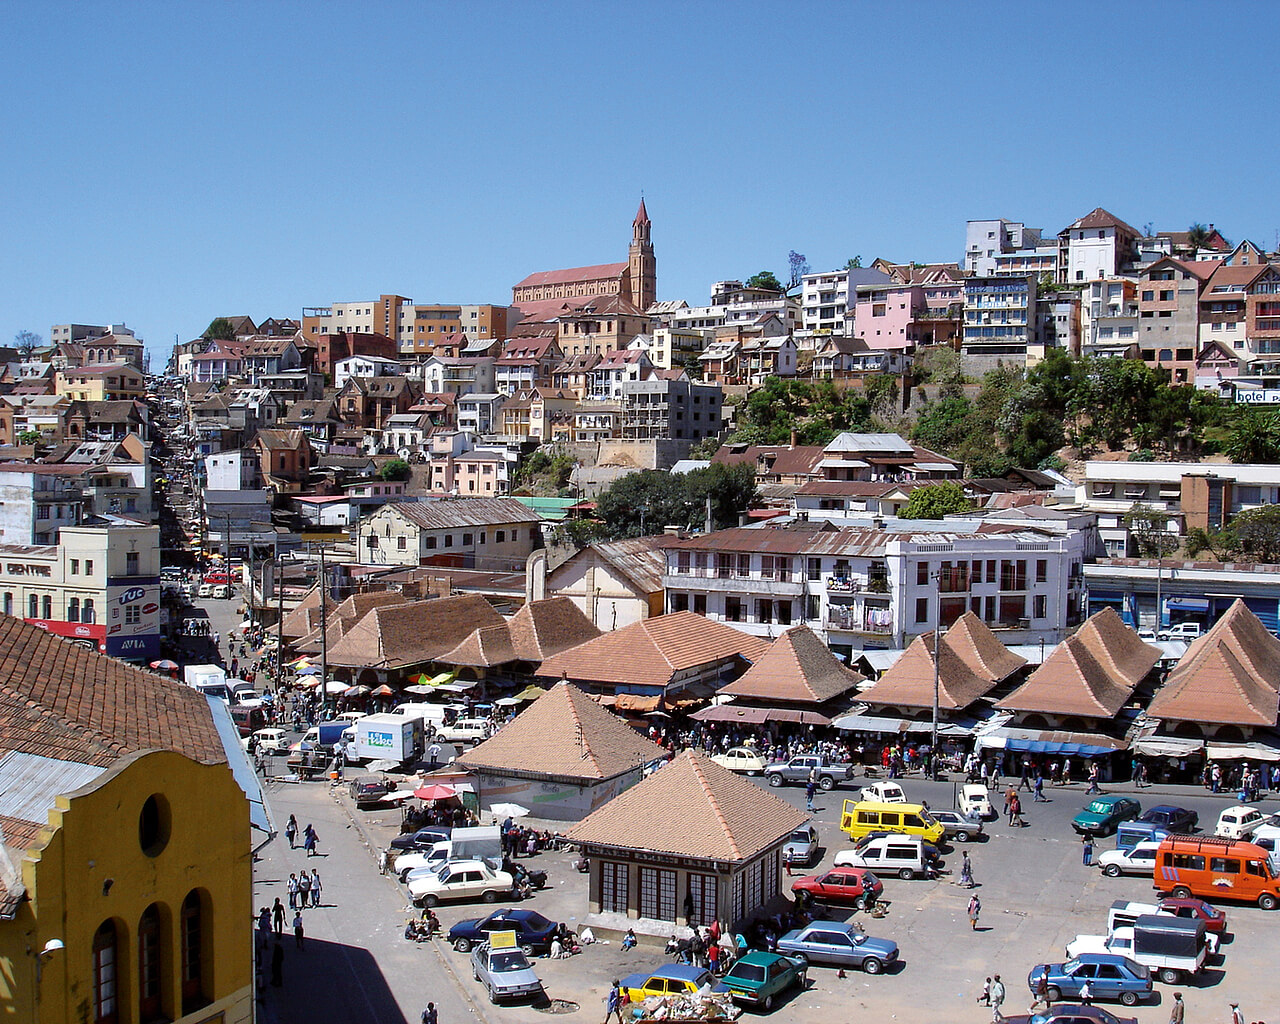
(50, 947)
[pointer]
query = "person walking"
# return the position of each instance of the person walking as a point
(1094, 776)
(984, 997)
(1041, 995)
(310, 840)
(997, 998)
(277, 916)
(1015, 811)
(975, 910)
(966, 870)
(291, 831)
(297, 929)
(613, 1002)
(1086, 993)
(293, 890)
(1237, 1016)
(810, 788)
(1039, 797)
(1086, 847)
(1177, 1010)
(315, 887)
(429, 1015)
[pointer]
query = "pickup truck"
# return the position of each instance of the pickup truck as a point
(1171, 947)
(798, 769)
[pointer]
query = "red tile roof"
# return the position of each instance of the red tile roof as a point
(573, 275)
(798, 668)
(1100, 218)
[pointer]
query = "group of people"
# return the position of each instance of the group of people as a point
(310, 839)
(1247, 781)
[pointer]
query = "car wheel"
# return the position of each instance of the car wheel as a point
(493, 996)
(1112, 871)
(1129, 998)
(906, 874)
(1053, 994)
(431, 900)
(826, 782)
(775, 780)
(1268, 901)
(872, 966)
(1181, 892)
(462, 945)
(490, 896)
(1169, 976)
(962, 836)
(767, 1005)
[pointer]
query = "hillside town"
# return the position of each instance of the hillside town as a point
(524, 601)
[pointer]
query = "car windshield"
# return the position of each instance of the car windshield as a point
(869, 881)
(746, 972)
(509, 960)
(800, 835)
(1100, 807)
(445, 874)
(703, 980)
(1068, 968)
(926, 817)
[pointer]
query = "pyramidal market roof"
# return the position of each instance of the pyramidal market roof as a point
(797, 668)
(692, 807)
(567, 734)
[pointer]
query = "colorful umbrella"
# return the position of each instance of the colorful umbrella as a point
(310, 670)
(165, 665)
(530, 692)
(303, 661)
(383, 691)
(356, 691)
(435, 792)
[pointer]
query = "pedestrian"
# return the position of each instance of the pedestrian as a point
(277, 915)
(1015, 811)
(304, 890)
(315, 887)
(1094, 775)
(291, 831)
(297, 929)
(613, 1002)
(997, 997)
(787, 854)
(1039, 797)
(1041, 995)
(264, 927)
(1237, 1017)
(1009, 795)
(309, 841)
(975, 910)
(985, 996)
(277, 964)
(1177, 1010)
(810, 788)
(1026, 774)
(966, 870)
(1086, 993)
(1086, 846)
(429, 1015)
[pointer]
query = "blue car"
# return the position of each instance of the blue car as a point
(533, 931)
(1109, 977)
(839, 944)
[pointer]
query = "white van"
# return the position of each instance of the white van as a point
(432, 714)
(1239, 822)
(464, 730)
(903, 855)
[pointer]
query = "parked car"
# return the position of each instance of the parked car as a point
(1104, 814)
(673, 979)
(461, 880)
(1182, 631)
(841, 885)
(1239, 822)
(1215, 920)
(958, 826)
(505, 973)
(838, 944)
(1109, 977)
(906, 856)
(423, 839)
(367, 789)
(1071, 1013)
(741, 759)
(412, 863)
(975, 801)
(758, 978)
(801, 846)
(533, 931)
(1138, 861)
(1169, 818)
(884, 792)
(272, 741)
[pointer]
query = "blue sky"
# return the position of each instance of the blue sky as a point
(169, 162)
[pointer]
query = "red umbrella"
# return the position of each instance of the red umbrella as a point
(164, 665)
(434, 792)
(383, 691)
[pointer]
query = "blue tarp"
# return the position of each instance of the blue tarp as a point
(1048, 747)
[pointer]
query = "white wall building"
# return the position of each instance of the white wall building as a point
(364, 366)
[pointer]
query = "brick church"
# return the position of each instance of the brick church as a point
(635, 281)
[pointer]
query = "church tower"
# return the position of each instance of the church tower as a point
(642, 267)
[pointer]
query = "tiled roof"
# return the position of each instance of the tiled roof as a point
(286, 439)
(1231, 675)
(1119, 648)
(413, 633)
(980, 649)
(908, 682)
(651, 651)
(798, 668)
(60, 700)
(1100, 218)
(706, 813)
(486, 646)
(543, 628)
(639, 559)
(340, 618)
(573, 275)
(567, 734)
(449, 513)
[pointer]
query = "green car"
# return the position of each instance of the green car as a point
(1104, 814)
(758, 978)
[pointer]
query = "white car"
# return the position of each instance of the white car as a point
(1141, 860)
(1239, 822)
(740, 759)
(884, 793)
(975, 802)
(461, 880)
(351, 716)
(411, 864)
(271, 741)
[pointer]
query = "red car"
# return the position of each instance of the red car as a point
(1193, 909)
(840, 885)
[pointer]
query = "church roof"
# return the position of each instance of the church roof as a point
(574, 275)
(642, 215)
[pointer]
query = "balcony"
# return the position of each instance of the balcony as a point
(855, 585)
(711, 580)
(849, 621)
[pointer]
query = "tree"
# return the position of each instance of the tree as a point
(765, 279)
(883, 393)
(394, 469)
(1257, 533)
(220, 329)
(854, 264)
(705, 448)
(1197, 236)
(935, 501)
(643, 503)
(25, 341)
(941, 424)
(1255, 437)
(1149, 528)
(798, 266)
(29, 437)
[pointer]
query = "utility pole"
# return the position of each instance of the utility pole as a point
(279, 574)
(324, 644)
(937, 683)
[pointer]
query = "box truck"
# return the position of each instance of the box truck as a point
(388, 737)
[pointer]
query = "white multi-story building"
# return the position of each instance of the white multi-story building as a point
(364, 366)
(985, 241)
(1097, 245)
(861, 587)
(824, 300)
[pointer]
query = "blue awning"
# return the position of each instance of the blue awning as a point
(1189, 604)
(1048, 747)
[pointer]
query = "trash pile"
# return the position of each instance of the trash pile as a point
(694, 1006)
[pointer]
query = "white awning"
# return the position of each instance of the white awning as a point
(1167, 746)
(1241, 751)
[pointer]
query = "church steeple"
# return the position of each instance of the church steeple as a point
(642, 268)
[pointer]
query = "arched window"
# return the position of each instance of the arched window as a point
(47, 602)
(194, 993)
(150, 967)
(106, 1001)
(73, 610)
(33, 607)
(88, 615)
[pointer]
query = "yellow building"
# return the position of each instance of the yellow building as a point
(125, 876)
(114, 382)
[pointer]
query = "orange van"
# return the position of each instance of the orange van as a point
(1213, 868)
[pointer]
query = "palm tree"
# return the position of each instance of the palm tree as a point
(1197, 237)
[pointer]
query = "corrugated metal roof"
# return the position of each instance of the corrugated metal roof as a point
(30, 783)
(448, 513)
